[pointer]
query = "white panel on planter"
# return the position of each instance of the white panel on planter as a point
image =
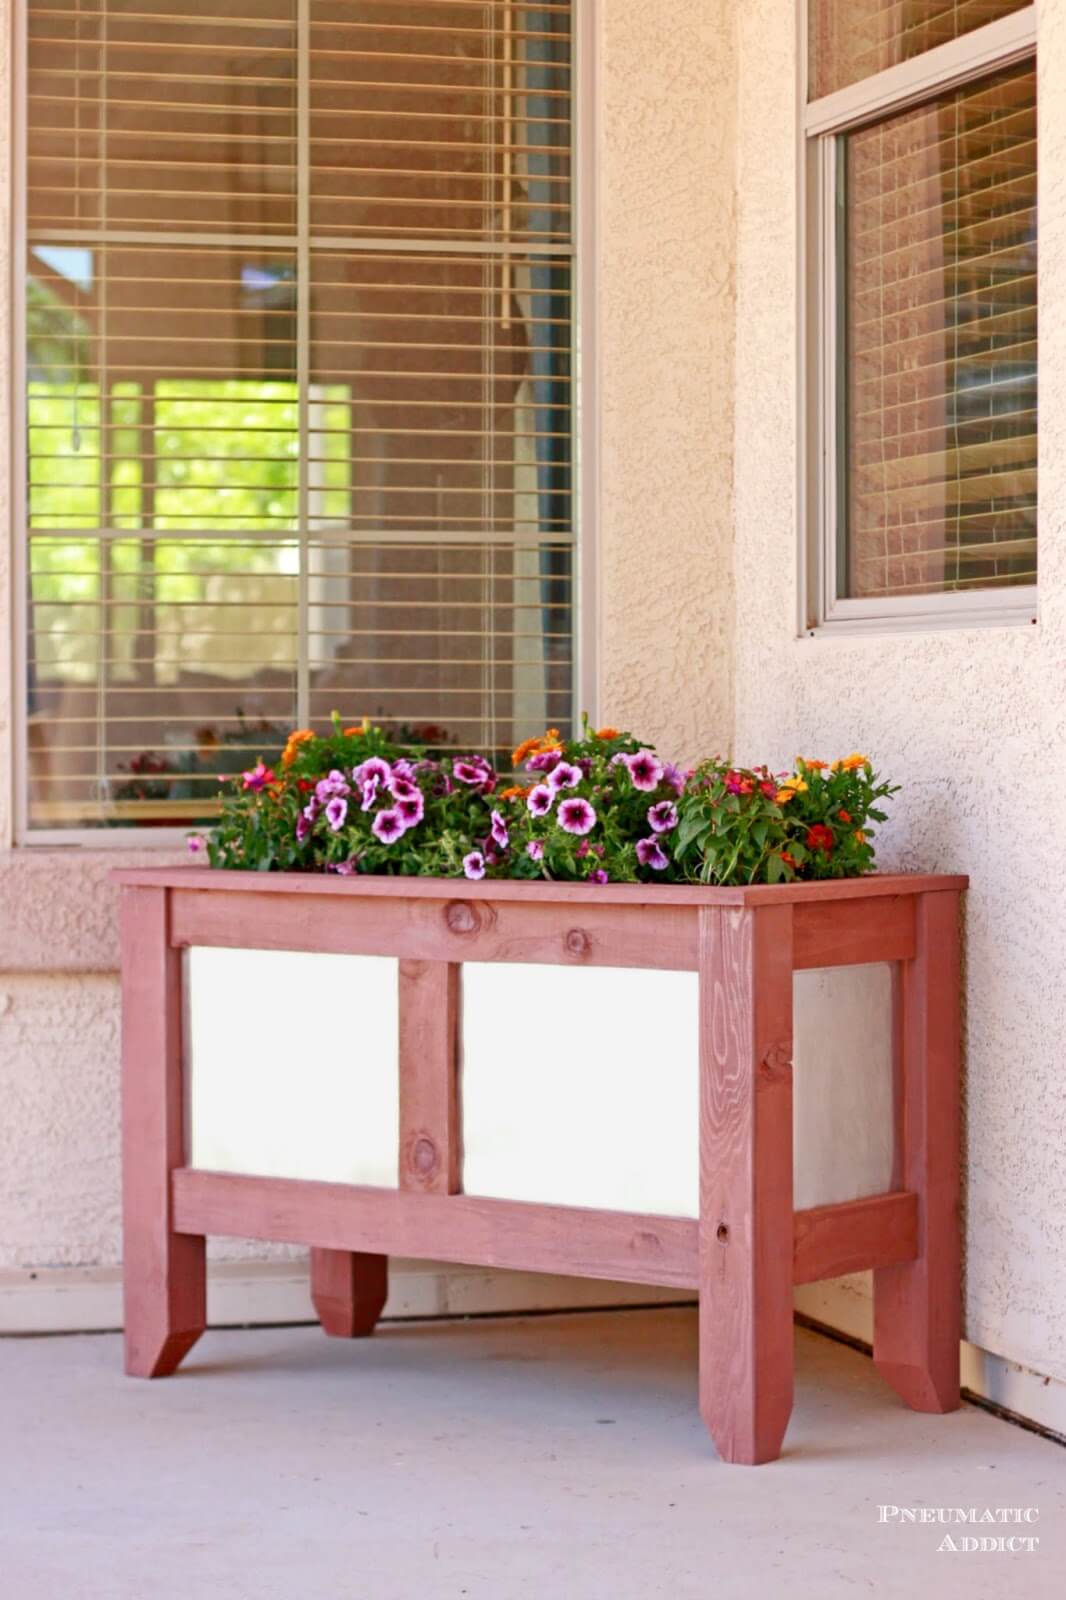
(581, 1086)
(291, 1064)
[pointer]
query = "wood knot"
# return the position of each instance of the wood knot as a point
(423, 1157)
(777, 1062)
(461, 917)
(721, 1233)
(577, 942)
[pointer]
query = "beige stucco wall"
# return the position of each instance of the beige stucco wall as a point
(971, 722)
(697, 537)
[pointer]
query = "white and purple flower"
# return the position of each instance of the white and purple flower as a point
(194, 844)
(650, 853)
(599, 876)
(475, 771)
(499, 831)
(576, 815)
(673, 775)
(663, 816)
(412, 808)
(544, 761)
(539, 800)
(372, 767)
(388, 825)
(370, 787)
(336, 811)
(474, 864)
(564, 776)
(402, 788)
(333, 786)
(535, 850)
(645, 769)
(303, 827)
(345, 868)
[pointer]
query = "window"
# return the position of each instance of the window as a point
(298, 321)
(922, 475)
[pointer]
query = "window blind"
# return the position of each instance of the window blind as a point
(937, 248)
(849, 40)
(298, 306)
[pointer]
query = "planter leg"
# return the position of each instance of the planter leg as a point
(745, 1338)
(917, 1305)
(348, 1291)
(164, 1273)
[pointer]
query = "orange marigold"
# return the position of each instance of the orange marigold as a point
(606, 733)
(814, 766)
(357, 727)
(514, 791)
(295, 740)
(853, 762)
(526, 748)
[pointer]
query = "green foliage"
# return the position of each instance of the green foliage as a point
(746, 825)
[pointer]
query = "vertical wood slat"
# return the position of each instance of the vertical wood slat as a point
(348, 1291)
(746, 1221)
(430, 1052)
(917, 1306)
(164, 1273)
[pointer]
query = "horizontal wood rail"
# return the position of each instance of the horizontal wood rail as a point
(460, 927)
(476, 1230)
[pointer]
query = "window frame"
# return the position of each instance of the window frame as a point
(1000, 44)
(584, 355)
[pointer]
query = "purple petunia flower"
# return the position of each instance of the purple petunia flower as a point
(650, 853)
(345, 868)
(303, 827)
(402, 788)
(311, 809)
(372, 767)
(370, 791)
(582, 849)
(673, 775)
(405, 769)
(388, 826)
(535, 850)
(663, 816)
(645, 769)
(411, 807)
(336, 811)
(599, 876)
(333, 786)
(564, 776)
(539, 800)
(499, 831)
(576, 815)
(473, 770)
(194, 844)
(474, 864)
(544, 761)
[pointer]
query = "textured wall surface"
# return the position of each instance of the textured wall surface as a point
(665, 230)
(972, 723)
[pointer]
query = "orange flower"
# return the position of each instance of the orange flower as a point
(853, 762)
(296, 739)
(813, 766)
(788, 860)
(526, 748)
(860, 837)
(845, 816)
(513, 792)
(784, 795)
(606, 733)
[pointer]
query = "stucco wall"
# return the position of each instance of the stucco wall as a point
(971, 723)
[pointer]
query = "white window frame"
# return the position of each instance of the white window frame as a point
(997, 45)
(584, 414)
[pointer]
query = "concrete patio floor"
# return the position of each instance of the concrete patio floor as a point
(552, 1457)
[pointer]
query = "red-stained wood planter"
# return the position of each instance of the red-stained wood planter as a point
(748, 1247)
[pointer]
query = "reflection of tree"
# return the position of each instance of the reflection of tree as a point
(57, 336)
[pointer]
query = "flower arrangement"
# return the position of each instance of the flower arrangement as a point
(601, 808)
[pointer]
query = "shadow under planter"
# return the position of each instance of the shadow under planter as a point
(618, 1062)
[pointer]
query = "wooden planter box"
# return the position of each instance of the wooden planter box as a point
(606, 1091)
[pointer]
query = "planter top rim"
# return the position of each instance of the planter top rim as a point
(685, 894)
